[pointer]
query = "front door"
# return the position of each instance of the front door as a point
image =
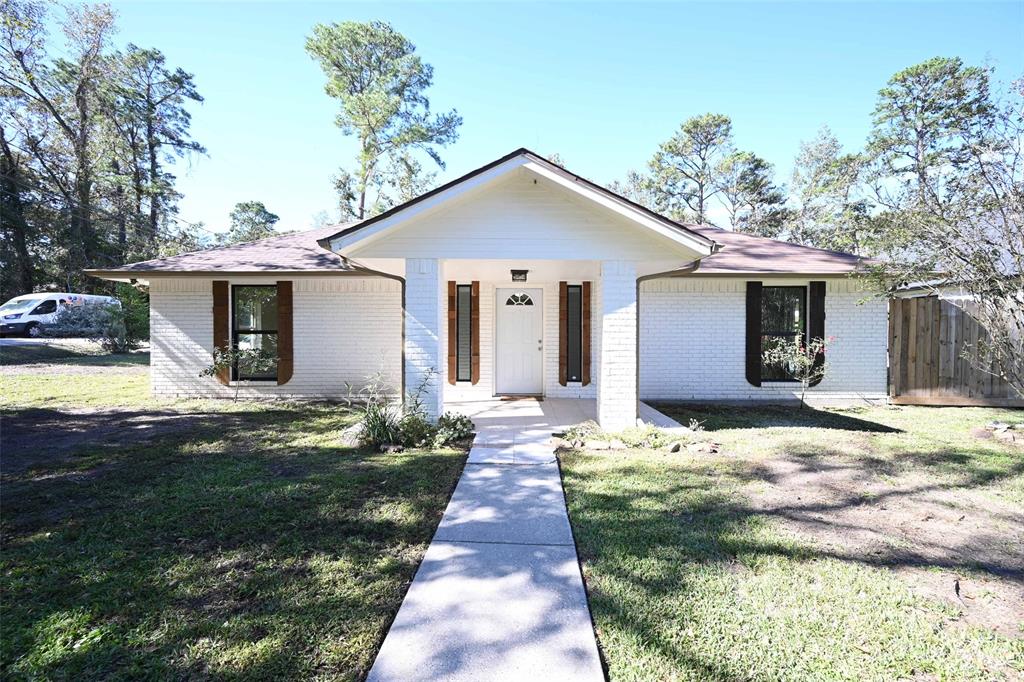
(520, 342)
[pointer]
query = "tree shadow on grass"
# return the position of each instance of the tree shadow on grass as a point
(717, 417)
(224, 549)
(651, 538)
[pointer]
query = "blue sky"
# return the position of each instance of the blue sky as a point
(600, 84)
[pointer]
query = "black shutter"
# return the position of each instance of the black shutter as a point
(816, 319)
(754, 333)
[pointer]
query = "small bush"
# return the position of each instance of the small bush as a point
(452, 427)
(646, 436)
(415, 431)
(582, 432)
(382, 423)
(103, 323)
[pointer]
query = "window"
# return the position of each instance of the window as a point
(464, 333)
(574, 332)
(254, 326)
(45, 308)
(783, 320)
(519, 299)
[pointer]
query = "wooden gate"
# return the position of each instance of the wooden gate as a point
(928, 338)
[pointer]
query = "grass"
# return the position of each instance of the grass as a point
(245, 543)
(692, 575)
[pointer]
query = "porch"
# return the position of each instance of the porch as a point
(563, 331)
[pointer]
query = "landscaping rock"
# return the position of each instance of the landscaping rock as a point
(616, 444)
(674, 447)
(597, 445)
(352, 436)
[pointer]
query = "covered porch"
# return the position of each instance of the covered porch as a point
(521, 279)
(559, 331)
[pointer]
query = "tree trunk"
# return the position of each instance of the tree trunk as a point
(153, 146)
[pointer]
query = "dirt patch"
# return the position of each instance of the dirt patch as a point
(40, 438)
(930, 531)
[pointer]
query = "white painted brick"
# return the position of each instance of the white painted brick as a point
(617, 385)
(692, 341)
(424, 301)
(345, 330)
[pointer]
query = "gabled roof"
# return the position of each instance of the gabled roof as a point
(521, 157)
(308, 252)
(297, 252)
(742, 253)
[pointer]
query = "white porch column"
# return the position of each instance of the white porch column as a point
(423, 292)
(617, 380)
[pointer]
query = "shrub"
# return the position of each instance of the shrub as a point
(416, 431)
(582, 432)
(382, 423)
(452, 427)
(103, 323)
(646, 436)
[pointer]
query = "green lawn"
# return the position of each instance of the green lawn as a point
(216, 540)
(815, 545)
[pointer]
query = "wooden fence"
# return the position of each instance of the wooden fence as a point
(928, 338)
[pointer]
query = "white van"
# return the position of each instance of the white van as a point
(29, 314)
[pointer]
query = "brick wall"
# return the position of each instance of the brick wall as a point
(346, 329)
(616, 388)
(692, 342)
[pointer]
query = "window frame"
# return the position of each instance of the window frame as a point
(235, 376)
(468, 377)
(805, 308)
(574, 338)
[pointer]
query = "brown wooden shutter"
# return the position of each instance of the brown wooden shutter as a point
(221, 320)
(285, 335)
(474, 332)
(585, 330)
(453, 310)
(563, 333)
(816, 319)
(754, 333)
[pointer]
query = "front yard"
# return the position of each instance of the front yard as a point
(149, 539)
(814, 545)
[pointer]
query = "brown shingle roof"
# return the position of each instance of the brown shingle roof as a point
(745, 253)
(295, 252)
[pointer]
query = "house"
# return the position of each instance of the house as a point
(518, 278)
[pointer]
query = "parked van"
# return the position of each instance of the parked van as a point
(29, 314)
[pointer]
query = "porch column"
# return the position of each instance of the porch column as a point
(423, 310)
(617, 378)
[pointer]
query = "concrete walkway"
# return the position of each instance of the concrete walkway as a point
(499, 595)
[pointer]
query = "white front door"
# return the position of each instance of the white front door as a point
(520, 340)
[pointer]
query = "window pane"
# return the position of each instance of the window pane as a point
(263, 368)
(256, 308)
(574, 305)
(783, 310)
(464, 371)
(776, 372)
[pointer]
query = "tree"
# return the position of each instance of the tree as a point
(60, 100)
(638, 188)
(250, 220)
(686, 170)
(827, 190)
(381, 86)
(145, 103)
(920, 121)
(752, 200)
(804, 361)
(956, 195)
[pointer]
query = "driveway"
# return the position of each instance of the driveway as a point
(499, 594)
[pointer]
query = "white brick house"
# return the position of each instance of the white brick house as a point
(518, 278)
